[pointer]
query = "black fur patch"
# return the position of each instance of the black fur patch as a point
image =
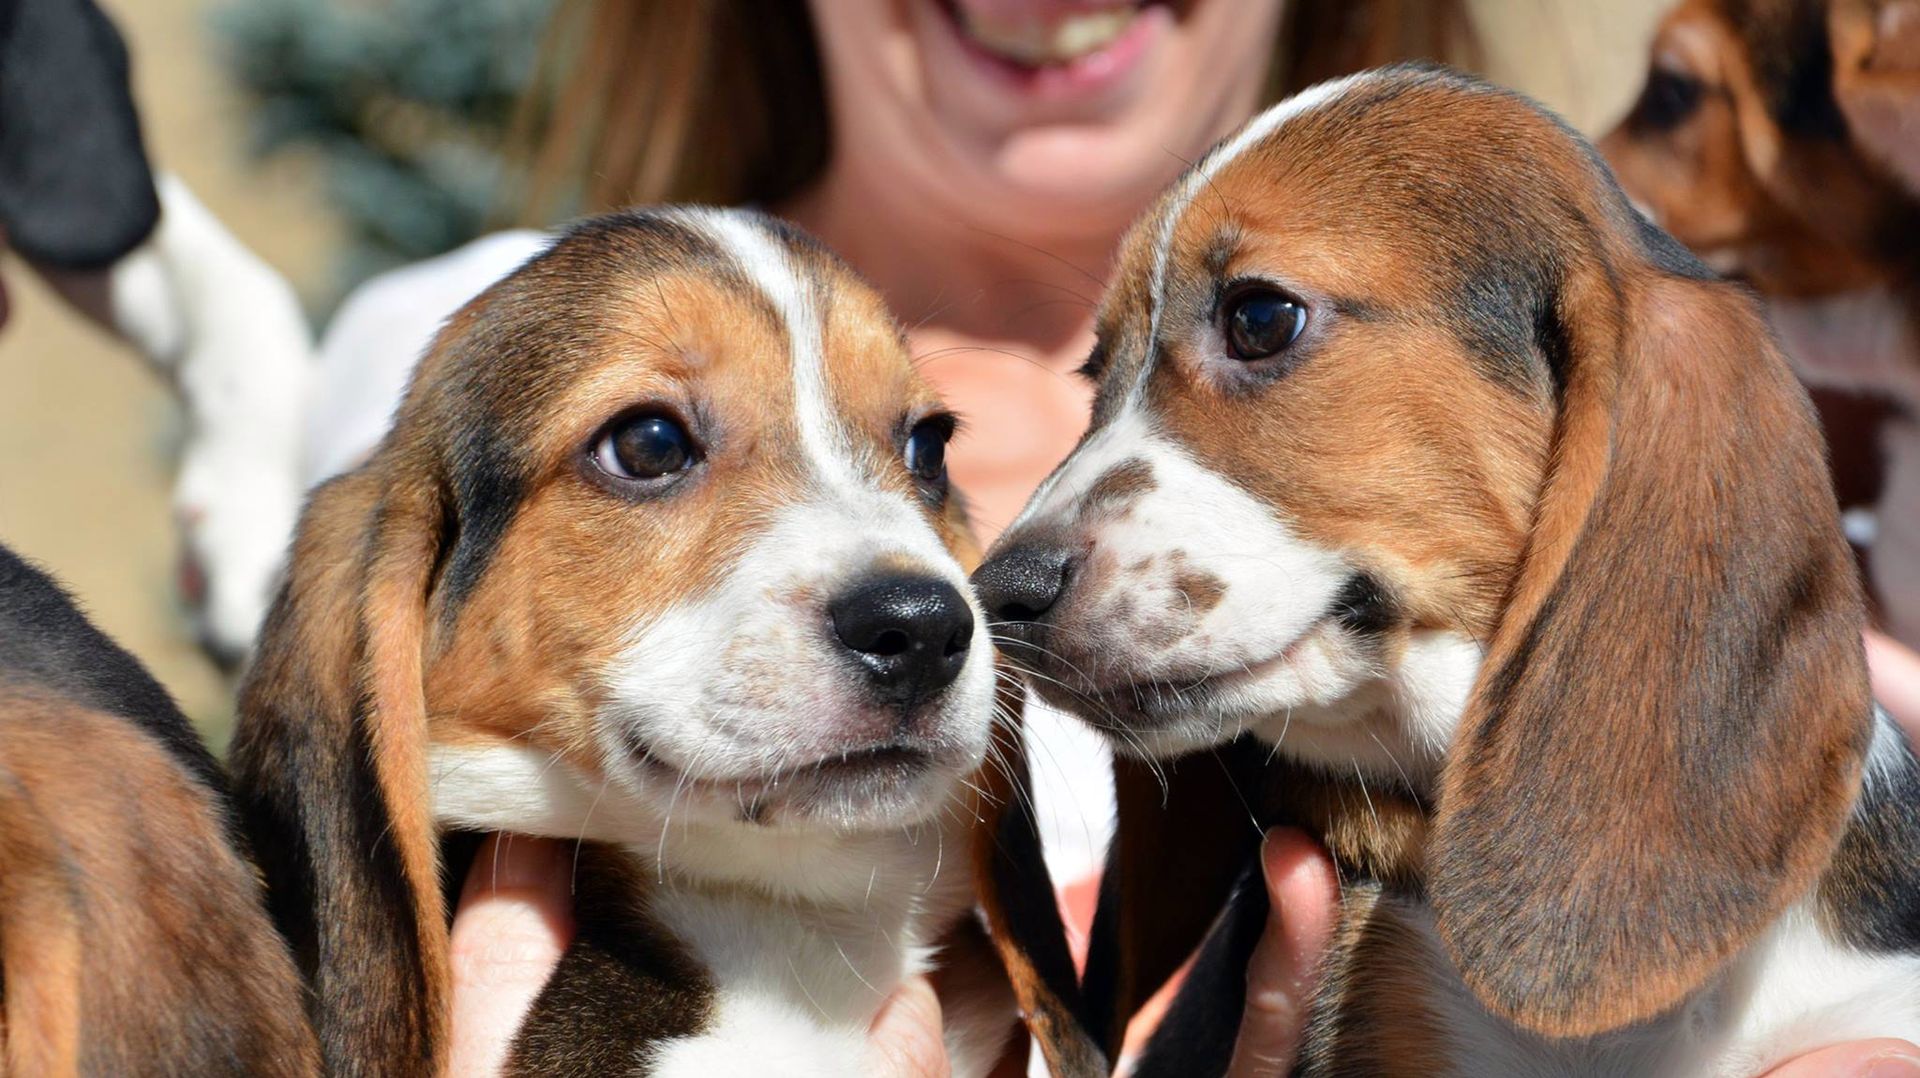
(75, 188)
(338, 893)
(1363, 606)
(623, 986)
(1667, 254)
(1792, 58)
(1197, 1035)
(1870, 896)
(45, 640)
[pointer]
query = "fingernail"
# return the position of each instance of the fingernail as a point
(1893, 1066)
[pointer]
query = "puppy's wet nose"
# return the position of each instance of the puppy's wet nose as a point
(910, 632)
(1019, 585)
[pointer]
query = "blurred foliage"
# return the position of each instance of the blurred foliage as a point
(406, 103)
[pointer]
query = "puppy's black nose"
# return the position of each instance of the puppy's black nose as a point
(1020, 584)
(910, 632)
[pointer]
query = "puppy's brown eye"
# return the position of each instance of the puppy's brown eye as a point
(644, 447)
(926, 454)
(1262, 323)
(1668, 100)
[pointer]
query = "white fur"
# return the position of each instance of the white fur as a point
(747, 679)
(229, 331)
(767, 263)
(376, 338)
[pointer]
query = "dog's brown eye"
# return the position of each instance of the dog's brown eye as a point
(926, 453)
(1669, 98)
(644, 447)
(1260, 324)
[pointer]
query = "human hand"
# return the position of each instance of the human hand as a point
(1857, 1059)
(514, 920)
(1895, 671)
(1303, 895)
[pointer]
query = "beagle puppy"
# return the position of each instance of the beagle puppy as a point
(134, 936)
(1437, 502)
(660, 556)
(1780, 140)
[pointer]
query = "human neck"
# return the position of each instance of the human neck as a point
(960, 274)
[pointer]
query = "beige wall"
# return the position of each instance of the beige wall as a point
(86, 434)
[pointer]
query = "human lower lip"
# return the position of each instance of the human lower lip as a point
(1074, 57)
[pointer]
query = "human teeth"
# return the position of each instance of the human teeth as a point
(1054, 41)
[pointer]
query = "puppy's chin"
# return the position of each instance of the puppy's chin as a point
(880, 785)
(1156, 714)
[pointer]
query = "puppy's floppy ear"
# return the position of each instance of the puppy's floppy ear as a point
(1177, 849)
(1669, 723)
(1876, 81)
(330, 762)
(1016, 893)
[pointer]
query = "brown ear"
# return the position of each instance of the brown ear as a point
(1668, 726)
(1176, 852)
(1017, 896)
(330, 766)
(1876, 81)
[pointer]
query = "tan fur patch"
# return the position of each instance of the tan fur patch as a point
(132, 936)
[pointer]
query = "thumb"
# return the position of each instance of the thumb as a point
(514, 921)
(1860, 1059)
(1304, 898)
(905, 1039)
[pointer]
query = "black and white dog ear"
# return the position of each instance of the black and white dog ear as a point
(76, 189)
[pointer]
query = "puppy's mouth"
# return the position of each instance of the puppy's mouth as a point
(864, 784)
(1169, 698)
(1171, 709)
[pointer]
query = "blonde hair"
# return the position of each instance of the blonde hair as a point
(644, 101)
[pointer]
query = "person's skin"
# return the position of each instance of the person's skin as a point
(986, 210)
(987, 214)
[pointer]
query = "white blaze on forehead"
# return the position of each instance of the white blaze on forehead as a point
(765, 260)
(1188, 187)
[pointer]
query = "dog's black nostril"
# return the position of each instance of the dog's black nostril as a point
(911, 633)
(889, 643)
(1022, 583)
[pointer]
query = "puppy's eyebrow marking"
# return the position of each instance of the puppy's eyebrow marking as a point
(1181, 197)
(766, 261)
(1121, 483)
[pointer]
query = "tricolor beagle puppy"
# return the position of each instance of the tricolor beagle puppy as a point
(134, 938)
(659, 555)
(1438, 503)
(1780, 140)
